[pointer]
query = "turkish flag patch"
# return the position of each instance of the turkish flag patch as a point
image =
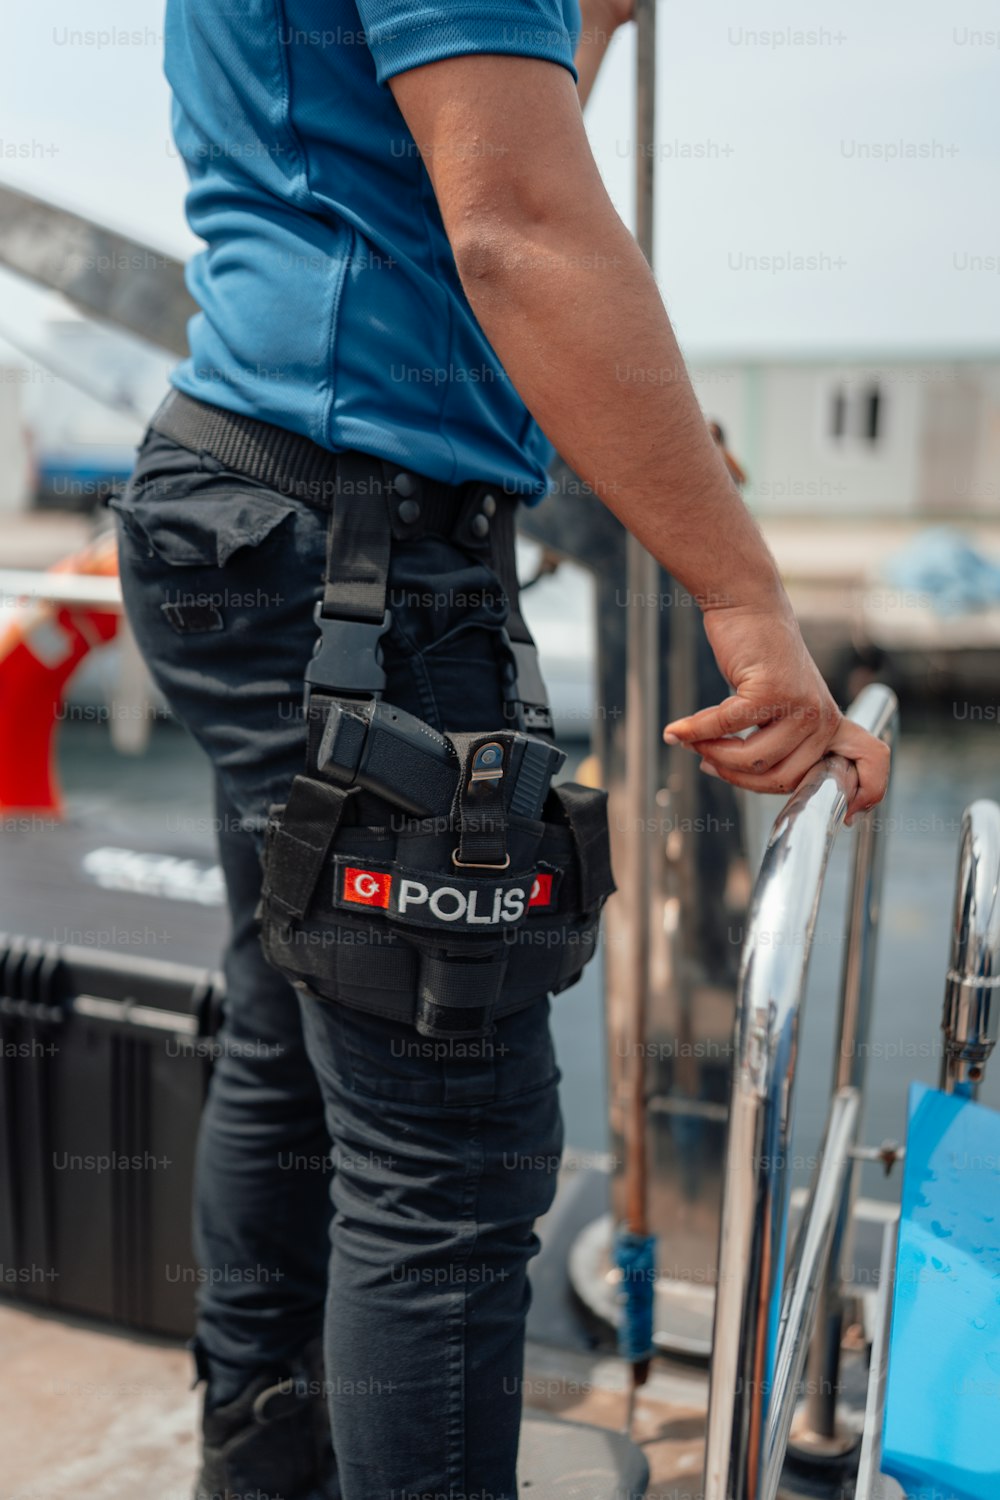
(366, 887)
(541, 891)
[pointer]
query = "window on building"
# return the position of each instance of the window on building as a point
(872, 410)
(857, 416)
(838, 424)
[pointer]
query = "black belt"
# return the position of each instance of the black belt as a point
(294, 465)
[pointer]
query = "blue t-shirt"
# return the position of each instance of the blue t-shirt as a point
(330, 303)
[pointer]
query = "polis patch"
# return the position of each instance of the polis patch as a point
(449, 902)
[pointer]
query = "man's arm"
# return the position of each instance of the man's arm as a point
(565, 297)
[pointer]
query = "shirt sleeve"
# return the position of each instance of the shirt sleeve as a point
(405, 34)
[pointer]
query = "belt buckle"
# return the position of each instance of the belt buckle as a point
(527, 700)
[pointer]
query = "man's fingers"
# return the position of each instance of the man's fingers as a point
(788, 741)
(780, 780)
(725, 718)
(871, 757)
(758, 752)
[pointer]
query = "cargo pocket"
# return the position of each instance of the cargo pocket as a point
(200, 528)
(189, 551)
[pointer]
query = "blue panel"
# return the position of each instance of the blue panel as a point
(941, 1437)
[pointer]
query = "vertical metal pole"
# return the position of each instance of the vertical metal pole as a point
(974, 970)
(807, 1276)
(849, 1071)
(641, 692)
(645, 124)
(751, 1292)
(871, 1484)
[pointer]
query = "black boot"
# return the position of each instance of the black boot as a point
(273, 1441)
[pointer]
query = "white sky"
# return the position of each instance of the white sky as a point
(782, 129)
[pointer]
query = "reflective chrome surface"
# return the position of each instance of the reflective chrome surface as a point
(871, 1484)
(807, 1275)
(974, 969)
(751, 1293)
(849, 1070)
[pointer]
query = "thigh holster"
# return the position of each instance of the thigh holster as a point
(440, 879)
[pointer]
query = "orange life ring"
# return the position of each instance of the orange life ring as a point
(41, 646)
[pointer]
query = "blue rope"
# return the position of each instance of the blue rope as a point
(635, 1257)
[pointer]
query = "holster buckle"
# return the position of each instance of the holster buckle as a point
(347, 657)
(526, 697)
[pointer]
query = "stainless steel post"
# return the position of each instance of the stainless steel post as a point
(974, 970)
(871, 1483)
(849, 1071)
(807, 1277)
(750, 1296)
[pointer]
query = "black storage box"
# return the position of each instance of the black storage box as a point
(105, 1061)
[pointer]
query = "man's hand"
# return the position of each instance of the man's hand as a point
(779, 695)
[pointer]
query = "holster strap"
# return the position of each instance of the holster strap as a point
(479, 811)
(586, 811)
(457, 998)
(298, 844)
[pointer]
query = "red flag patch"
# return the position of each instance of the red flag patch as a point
(541, 891)
(366, 887)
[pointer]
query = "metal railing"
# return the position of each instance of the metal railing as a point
(872, 1484)
(972, 979)
(764, 1312)
(974, 969)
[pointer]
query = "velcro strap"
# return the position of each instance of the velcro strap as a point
(298, 843)
(482, 904)
(587, 814)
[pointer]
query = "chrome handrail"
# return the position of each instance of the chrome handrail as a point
(807, 1274)
(973, 976)
(974, 969)
(850, 1067)
(759, 1326)
(871, 1483)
